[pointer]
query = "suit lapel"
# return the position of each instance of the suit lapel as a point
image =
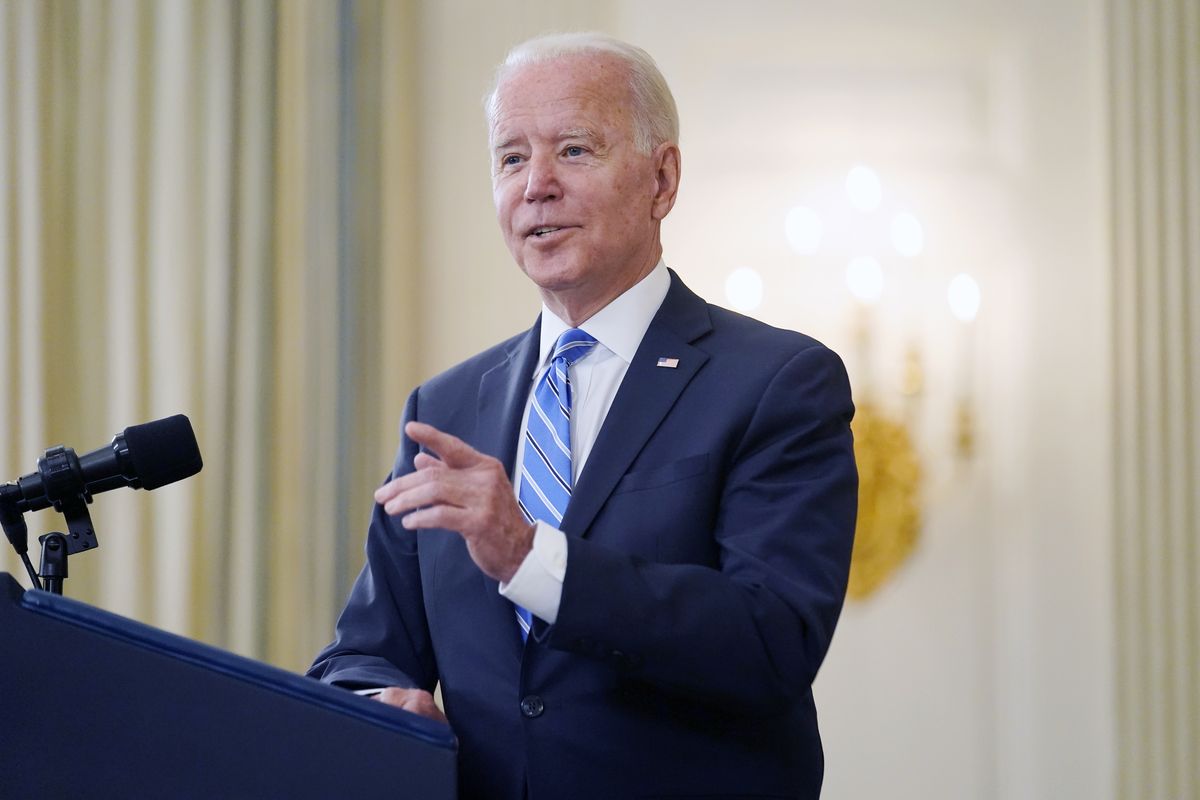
(503, 391)
(647, 393)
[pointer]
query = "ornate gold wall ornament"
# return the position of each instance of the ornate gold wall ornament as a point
(888, 513)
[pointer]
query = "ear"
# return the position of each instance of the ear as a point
(666, 179)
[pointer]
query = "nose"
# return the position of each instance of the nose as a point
(542, 180)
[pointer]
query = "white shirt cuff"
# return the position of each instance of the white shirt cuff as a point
(537, 583)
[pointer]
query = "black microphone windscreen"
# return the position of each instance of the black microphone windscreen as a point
(163, 451)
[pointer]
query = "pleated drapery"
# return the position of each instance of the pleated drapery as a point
(1154, 75)
(193, 198)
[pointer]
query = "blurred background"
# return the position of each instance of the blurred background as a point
(275, 217)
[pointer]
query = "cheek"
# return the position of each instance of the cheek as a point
(632, 190)
(628, 204)
(504, 210)
(506, 196)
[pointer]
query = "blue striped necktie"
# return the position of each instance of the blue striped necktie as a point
(546, 477)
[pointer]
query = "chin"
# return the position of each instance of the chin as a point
(553, 274)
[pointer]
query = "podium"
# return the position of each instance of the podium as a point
(96, 705)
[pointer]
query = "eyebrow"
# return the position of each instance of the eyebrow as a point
(578, 133)
(569, 133)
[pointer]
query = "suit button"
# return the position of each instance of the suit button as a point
(532, 706)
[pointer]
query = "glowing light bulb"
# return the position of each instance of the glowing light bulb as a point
(963, 296)
(907, 235)
(864, 277)
(744, 289)
(863, 188)
(803, 229)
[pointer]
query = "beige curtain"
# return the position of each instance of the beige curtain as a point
(193, 198)
(1154, 90)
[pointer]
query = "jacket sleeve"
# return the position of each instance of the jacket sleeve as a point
(382, 637)
(750, 630)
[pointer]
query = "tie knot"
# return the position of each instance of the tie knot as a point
(573, 345)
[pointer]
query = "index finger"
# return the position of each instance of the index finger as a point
(453, 452)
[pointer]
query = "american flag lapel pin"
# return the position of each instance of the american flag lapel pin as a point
(669, 363)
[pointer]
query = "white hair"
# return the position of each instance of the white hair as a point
(655, 118)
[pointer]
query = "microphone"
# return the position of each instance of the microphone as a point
(142, 457)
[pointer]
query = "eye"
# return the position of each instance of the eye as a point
(510, 160)
(573, 151)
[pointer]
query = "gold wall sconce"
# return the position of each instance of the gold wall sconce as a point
(880, 244)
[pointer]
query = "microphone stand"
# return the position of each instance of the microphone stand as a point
(54, 561)
(80, 536)
(57, 546)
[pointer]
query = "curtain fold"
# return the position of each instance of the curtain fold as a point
(1154, 126)
(192, 220)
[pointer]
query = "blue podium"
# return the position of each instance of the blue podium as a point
(96, 705)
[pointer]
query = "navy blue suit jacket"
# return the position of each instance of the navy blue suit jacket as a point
(709, 539)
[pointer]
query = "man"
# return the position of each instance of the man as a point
(658, 634)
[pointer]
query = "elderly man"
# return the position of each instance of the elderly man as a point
(619, 540)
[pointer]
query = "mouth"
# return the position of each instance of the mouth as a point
(543, 231)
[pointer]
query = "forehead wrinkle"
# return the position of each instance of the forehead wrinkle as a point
(508, 142)
(582, 98)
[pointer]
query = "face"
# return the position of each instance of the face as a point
(579, 207)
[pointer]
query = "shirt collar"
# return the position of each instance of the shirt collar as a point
(621, 324)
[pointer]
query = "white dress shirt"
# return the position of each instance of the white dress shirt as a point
(618, 329)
